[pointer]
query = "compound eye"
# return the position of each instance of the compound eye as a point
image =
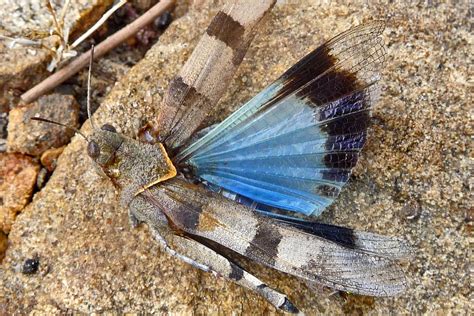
(93, 150)
(109, 128)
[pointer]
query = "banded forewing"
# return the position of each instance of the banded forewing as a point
(196, 90)
(338, 257)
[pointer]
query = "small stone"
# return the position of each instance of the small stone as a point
(3, 145)
(411, 210)
(142, 5)
(30, 266)
(17, 181)
(3, 245)
(33, 137)
(50, 157)
(42, 178)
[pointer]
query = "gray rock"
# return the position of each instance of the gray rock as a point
(33, 137)
(97, 263)
(20, 69)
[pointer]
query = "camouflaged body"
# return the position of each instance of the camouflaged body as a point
(202, 227)
(132, 165)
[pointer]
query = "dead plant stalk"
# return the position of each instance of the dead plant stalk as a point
(109, 43)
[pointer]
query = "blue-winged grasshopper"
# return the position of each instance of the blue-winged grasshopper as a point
(209, 192)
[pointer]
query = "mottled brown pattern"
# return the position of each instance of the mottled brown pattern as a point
(239, 52)
(225, 28)
(265, 243)
(207, 72)
(180, 213)
(208, 222)
(341, 235)
(180, 96)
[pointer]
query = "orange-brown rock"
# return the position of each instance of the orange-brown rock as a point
(17, 180)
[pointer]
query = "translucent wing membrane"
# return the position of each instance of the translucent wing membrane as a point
(293, 146)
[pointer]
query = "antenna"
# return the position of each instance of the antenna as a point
(89, 90)
(60, 124)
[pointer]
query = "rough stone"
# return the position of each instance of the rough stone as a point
(33, 137)
(17, 181)
(23, 66)
(20, 69)
(417, 155)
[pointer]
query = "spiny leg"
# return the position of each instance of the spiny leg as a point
(208, 260)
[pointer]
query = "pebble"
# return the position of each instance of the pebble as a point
(33, 137)
(163, 21)
(50, 157)
(30, 266)
(42, 178)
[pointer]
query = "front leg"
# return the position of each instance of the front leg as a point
(208, 260)
(132, 219)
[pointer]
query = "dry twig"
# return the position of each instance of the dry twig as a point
(99, 23)
(111, 42)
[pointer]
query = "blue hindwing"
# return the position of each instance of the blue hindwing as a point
(293, 146)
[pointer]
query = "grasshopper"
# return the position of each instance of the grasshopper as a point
(236, 188)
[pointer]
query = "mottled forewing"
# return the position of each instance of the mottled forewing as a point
(196, 90)
(361, 263)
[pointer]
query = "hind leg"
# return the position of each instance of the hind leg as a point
(208, 260)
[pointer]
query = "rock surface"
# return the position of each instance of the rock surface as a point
(412, 182)
(23, 66)
(33, 137)
(20, 69)
(17, 181)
